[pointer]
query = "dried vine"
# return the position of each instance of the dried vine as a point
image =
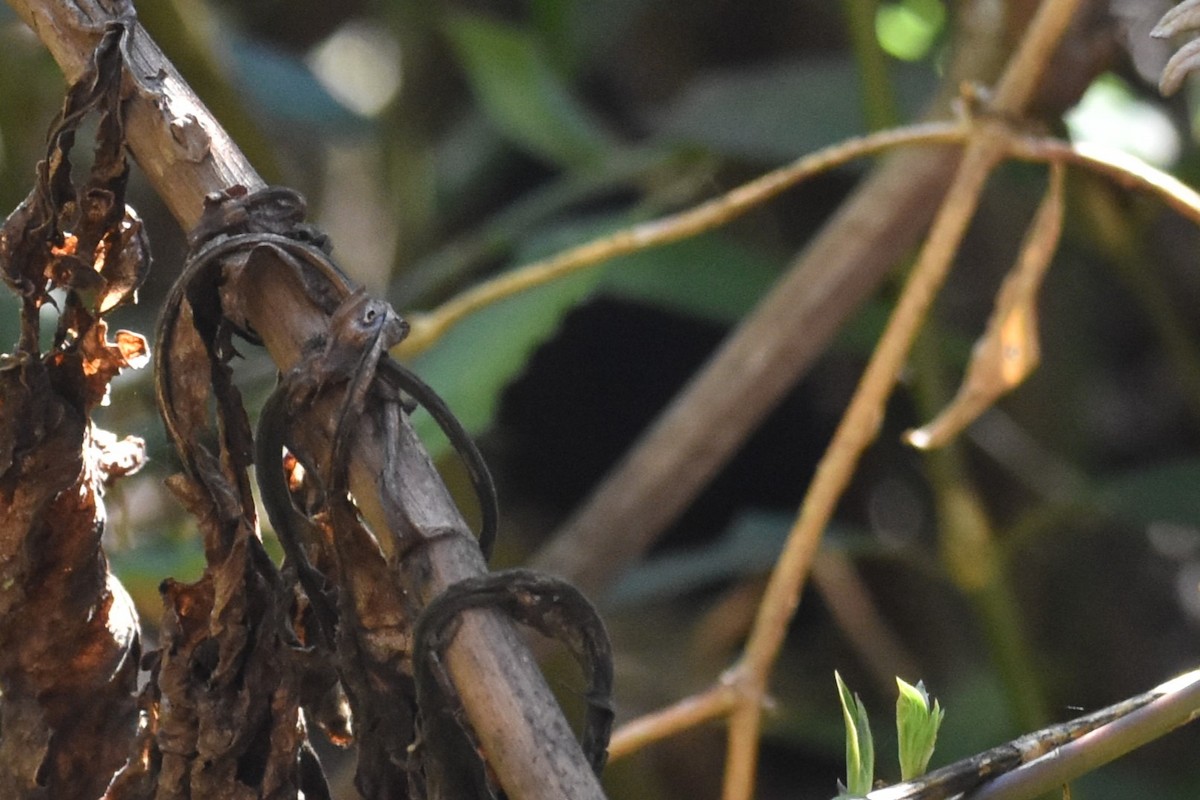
(69, 637)
(246, 662)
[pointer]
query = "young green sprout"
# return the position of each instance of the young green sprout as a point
(916, 728)
(860, 749)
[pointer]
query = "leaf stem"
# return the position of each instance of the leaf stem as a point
(879, 101)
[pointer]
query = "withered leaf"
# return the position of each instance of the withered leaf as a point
(28, 407)
(115, 458)
(124, 263)
(24, 253)
(1009, 350)
(102, 360)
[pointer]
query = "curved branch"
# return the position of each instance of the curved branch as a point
(427, 328)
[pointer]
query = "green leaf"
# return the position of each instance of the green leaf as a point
(1158, 493)
(860, 749)
(916, 728)
(476, 359)
(709, 276)
(523, 95)
(282, 87)
(765, 113)
(748, 547)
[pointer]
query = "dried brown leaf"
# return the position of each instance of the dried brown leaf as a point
(101, 360)
(68, 631)
(1009, 350)
(123, 261)
(115, 458)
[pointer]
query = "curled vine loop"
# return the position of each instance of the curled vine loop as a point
(1183, 18)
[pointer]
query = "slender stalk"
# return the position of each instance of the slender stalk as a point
(690, 712)
(428, 328)
(879, 102)
(1123, 169)
(1025, 69)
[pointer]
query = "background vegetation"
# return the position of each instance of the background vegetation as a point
(439, 143)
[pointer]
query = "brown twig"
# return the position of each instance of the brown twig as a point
(1174, 704)
(711, 704)
(1123, 169)
(186, 155)
(428, 328)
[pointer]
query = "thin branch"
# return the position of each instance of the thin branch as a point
(1027, 66)
(1178, 703)
(691, 712)
(428, 328)
(1123, 169)
(1044, 760)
